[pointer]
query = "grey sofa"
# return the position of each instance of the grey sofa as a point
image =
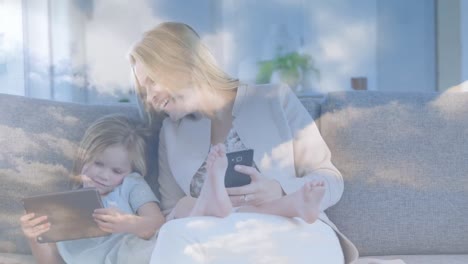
(403, 156)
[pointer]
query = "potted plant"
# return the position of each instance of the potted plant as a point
(288, 68)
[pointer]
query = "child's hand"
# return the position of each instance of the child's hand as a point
(113, 220)
(34, 226)
(87, 182)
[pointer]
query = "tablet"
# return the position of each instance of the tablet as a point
(70, 214)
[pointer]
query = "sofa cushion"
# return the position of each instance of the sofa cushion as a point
(38, 139)
(426, 259)
(404, 159)
(313, 106)
(8, 258)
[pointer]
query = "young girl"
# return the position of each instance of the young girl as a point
(111, 158)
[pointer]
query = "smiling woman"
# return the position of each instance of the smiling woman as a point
(212, 113)
(165, 77)
(176, 102)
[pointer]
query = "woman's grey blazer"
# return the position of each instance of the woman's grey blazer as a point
(272, 121)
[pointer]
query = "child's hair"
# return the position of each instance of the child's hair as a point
(108, 131)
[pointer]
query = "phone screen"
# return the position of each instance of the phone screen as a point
(234, 178)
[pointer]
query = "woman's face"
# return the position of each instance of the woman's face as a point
(181, 103)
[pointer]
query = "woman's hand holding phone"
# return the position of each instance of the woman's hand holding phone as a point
(260, 190)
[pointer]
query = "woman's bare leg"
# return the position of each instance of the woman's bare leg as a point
(183, 208)
(213, 199)
(304, 203)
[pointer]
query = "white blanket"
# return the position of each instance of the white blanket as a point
(246, 238)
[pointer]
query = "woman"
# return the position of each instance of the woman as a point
(175, 73)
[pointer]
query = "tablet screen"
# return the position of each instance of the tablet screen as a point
(69, 212)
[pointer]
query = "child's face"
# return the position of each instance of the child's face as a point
(107, 170)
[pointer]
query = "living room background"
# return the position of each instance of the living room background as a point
(74, 50)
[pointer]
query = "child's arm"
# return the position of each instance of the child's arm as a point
(144, 225)
(32, 228)
(45, 253)
(150, 220)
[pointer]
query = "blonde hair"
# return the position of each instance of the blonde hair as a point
(108, 131)
(172, 52)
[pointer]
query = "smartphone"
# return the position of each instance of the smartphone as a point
(234, 178)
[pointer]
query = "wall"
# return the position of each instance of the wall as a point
(406, 45)
(448, 44)
(338, 34)
(464, 42)
(391, 43)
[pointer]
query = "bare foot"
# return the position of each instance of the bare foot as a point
(213, 199)
(308, 200)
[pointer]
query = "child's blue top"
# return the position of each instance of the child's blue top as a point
(128, 197)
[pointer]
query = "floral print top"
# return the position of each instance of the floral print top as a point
(232, 143)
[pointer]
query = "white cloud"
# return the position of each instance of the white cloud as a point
(114, 26)
(201, 224)
(345, 45)
(247, 233)
(11, 32)
(222, 46)
(290, 3)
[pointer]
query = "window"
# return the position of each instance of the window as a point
(74, 50)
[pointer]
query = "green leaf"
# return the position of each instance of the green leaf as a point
(265, 71)
(288, 66)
